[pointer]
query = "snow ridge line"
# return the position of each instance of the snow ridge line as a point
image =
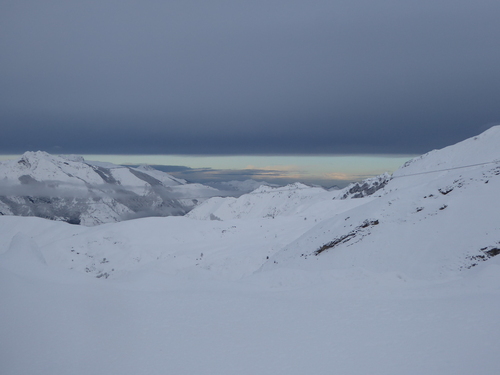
(448, 169)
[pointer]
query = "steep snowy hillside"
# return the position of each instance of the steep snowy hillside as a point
(481, 149)
(68, 188)
(437, 216)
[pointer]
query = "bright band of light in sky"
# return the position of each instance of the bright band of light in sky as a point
(325, 169)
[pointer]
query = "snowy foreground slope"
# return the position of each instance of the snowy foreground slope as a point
(279, 281)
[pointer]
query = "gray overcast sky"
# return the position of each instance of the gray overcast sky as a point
(246, 77)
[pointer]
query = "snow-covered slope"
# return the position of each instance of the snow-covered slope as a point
(481, 149)
(68, 188)
(438, 215)
(293, 199)
(270, 202)
(289, 280)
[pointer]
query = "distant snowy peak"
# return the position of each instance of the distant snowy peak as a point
(290, 187)
(263, 202)
(239, 186)
(41, 166)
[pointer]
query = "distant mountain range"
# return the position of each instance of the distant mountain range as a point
(71, 189)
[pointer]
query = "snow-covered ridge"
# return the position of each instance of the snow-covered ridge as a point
(239, 186)
(297, 198)
(68, 188)
(481, 149)
(269, 202)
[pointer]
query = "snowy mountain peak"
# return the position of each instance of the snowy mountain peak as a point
(289, 187)
(35, 155)
(239, 186)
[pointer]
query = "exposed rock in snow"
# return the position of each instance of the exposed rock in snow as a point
(366, 187)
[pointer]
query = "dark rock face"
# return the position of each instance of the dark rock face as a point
(145, 177)
(482, 255)
(53, 208)
(359, 231)
(106, 175)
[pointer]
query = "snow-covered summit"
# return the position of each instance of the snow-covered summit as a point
(41, 166)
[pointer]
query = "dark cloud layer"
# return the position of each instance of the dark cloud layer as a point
(246, 77)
